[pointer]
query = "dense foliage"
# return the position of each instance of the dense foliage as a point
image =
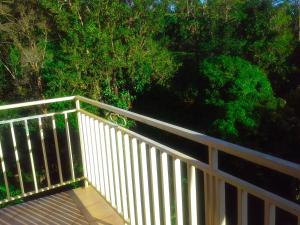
(235, 62)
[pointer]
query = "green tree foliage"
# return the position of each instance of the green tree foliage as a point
(238, 90)
(107, 50)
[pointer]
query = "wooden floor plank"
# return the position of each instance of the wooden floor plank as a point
(81, 206)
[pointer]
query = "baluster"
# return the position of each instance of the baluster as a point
(155, 197)
(17, 157)
(166, 188)
(86, 148)
(4, 172)
(44, 152)
(178, 191)
(147, 209)
(137, 181)
(57, 150)
(242, 207)
(69, 147)
(95, 181)
(105, 164)
(192, 195)
(89, 153)
(99, 156)
(122, 174)
(129, 180)
(270, 213)
(110, 166)
(116, 168)
(30, 155)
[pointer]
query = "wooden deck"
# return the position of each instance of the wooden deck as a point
(79, 207)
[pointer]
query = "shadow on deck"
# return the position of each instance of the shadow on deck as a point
(79, 206)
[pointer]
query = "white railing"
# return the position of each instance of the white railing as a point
(144, 180)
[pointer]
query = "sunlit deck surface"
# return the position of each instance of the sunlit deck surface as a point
(79, 206)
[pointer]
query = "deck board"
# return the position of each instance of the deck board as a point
(81, 206)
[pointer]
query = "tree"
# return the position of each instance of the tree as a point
(238, 91)
(107, 50)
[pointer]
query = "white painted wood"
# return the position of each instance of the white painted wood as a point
(33, 103)
(116, 168)
(95, 172)
(100, 159)
(57, 150)
(289, 206)
(110, 166)
(192, 195)
(155, 185)
(35, 117)
(82, 146)
(129, 179)
(146, 205)
(178, 191)
(17, 157)
(105, 165)
(122, 174)
(166, 188)
(69, 146)
(206, 198)
(137, 182)
(274, 163)
(4, 172)
(44, 151)
(221, 207)
(31, 155)
(242, 207)
(86, 148)
(270, 213)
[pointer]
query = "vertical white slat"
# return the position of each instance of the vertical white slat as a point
(86, 149)
(17, 157)
(99, 156)
(93, 153)
(217, 191)
(4, 172)
(178, 191)
(137, 182)
(166, 188)
(31, 156)
(129, 179)
(69, 147)
(207, 198)
(192, 195)
(147, 209)
(155, 196)
(57, 150)
(221, 201)
(242, 207)
(270, 213)
(89, 153)
(122, 174)
(116, 168)
(82, 145)
(44, 152)
(110, 166)
(105, 164)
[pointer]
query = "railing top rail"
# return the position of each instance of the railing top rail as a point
(268, 161)
(34, 103)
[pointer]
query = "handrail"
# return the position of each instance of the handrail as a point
(262, 159)
(33, 103)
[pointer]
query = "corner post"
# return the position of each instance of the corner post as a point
(81, 141)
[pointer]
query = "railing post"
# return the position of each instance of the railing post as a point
(215, 198)
(81, 142)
